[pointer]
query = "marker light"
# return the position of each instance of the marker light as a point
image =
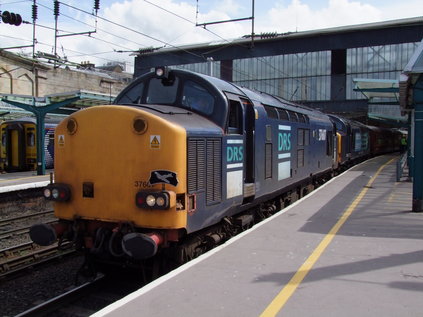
(57, 192)
(160, 201)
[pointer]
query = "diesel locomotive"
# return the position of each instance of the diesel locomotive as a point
(182, 161)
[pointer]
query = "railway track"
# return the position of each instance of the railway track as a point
(35, 214)
(18, 231)
(19, 225)
(15, 230)
(26, 255)
(64, 301)
(86, 299)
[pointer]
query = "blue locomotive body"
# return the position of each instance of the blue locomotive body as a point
(207, 158)
(246, 147)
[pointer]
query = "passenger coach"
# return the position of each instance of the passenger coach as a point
(18, 150)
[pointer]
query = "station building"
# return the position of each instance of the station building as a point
(319, 68)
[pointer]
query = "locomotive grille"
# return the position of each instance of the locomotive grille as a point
(214, 167)
(268, 160)
(196, 165)
(204, 168)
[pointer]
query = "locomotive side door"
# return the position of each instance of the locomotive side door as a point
(249, 131)
(241, 121)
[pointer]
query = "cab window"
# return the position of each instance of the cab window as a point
(197, 98)
(133, 96)
(235, 117)
(162, 92)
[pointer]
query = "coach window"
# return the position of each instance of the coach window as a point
(271, 112)
(30, 139)
(235, 117)
(283, 115)
(307, 119)
(293, 116)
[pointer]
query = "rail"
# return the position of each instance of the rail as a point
(26, 255)
(62, 301)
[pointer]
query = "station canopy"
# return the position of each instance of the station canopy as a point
(377, 88)
(72, 101)
(383, 99)
(412, 71)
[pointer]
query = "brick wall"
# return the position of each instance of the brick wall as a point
(26, 77)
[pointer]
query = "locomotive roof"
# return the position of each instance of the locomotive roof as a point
(254, 95)
(257, 96)
(218, 88)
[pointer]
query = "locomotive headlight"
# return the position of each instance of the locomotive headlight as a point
(159, 71)
(150, 200)
(162, 72)
(139, 125)
(162, 200)
(47, 193)
(71, 126)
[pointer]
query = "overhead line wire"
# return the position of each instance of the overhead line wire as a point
(70, 50)
(72, 18)
(229, 44)
(138, 32)
(179, 48)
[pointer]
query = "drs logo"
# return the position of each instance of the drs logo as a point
(235, 153)
(284, 141)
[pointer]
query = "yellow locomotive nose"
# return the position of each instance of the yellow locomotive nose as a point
(109, 156)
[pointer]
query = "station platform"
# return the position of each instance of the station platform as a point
(10, 182)
(350, 248)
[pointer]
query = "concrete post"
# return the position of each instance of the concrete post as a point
(41, 166)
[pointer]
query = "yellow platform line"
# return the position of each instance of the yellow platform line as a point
(279, 301)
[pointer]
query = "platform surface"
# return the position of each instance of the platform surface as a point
(351, 248)
(23, 180)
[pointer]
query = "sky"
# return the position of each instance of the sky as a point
(124, 26)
